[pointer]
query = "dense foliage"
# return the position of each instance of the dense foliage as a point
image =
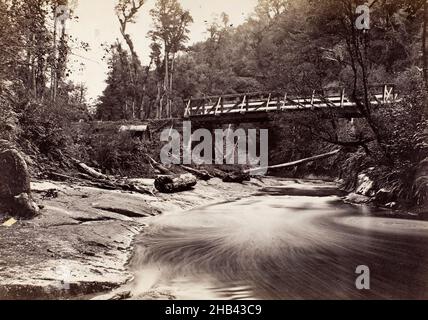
(37, 102)
(287, 45)
(297, 46)
(293, 46)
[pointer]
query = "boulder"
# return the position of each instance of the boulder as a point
(15, 195)
(365, 185)
(356, 198)
(24, 207)
(14, 176)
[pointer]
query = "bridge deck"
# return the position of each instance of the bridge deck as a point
(252, 106)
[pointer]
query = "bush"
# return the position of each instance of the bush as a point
(8, 121)
(120, 154)
(45, 128)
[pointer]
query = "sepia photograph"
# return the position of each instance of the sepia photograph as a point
(230, 152)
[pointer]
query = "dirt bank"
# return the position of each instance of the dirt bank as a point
(83, 239)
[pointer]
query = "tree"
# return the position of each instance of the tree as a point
(116, 101)
(425, 45)
(171, 30)
(126, 11)
(271, 9)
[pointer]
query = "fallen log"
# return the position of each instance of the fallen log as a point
(88, 170)
(219, 173)
(295, 163)
(162, 169)
(201, 174)
(236, 177)
(175, 183)
(101, 183)
(86, 181)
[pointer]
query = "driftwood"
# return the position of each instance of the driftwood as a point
(85, 180)
(236, 177)
(102, 183)
(88, 170)
(219, 173)
(201, 174)
(296, 163)
(95, 178)
(175, 183)
(162, 169)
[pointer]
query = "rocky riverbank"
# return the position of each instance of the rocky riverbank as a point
(82, 240)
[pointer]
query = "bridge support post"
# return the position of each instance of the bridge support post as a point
(244, 103)
(312, 99)
(188, 111)
(268, 102)
(342, 98)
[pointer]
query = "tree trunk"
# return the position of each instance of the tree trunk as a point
(134, 74)
(425, 51)
(171, 85)
(201, 174)
(161, 107)
(175, 183)
(166, 79)
(296, 163)
(53, 63)
(236, 177)
(157, 102)
(88, 170)
(162, 169)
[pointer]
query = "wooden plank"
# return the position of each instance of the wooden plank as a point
(254, 102)
(387, 94)
(296, 103)
(233, 107)
(285, 100)
(312, 99)
(218, 106)
(267, 103)
(244, 103)
(188, 111)
(198, 107)
(263, 104)
(328, 102)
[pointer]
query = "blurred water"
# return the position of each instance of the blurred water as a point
(280, 246)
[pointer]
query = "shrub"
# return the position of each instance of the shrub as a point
(119, 154)
(8, 121)
(45, 128)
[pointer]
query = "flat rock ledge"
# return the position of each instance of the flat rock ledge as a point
(81, 243)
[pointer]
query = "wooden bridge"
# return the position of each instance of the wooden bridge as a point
(255, 106)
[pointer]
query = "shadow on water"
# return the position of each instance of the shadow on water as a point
(294, 241)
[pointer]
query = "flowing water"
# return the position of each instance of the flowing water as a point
(297, 240)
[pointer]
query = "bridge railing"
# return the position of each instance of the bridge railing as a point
(276, 101)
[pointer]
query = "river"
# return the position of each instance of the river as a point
(296, 240)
